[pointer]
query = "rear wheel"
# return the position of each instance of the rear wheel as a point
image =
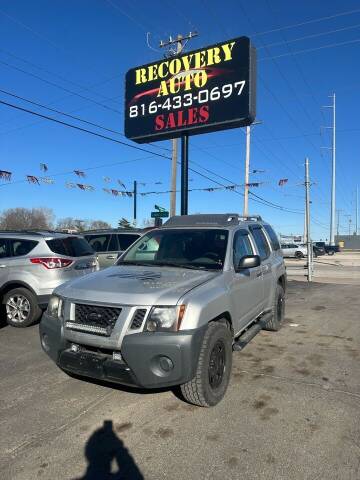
(299, 255)
(278, 310)
(331, 252)
(21, 307)
(212, 376)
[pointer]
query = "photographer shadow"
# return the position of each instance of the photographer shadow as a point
(105, 452)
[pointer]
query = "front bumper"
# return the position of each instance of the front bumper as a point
(149, 360)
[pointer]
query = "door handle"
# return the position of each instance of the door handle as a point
(111, 257)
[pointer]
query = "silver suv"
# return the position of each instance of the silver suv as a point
(173, 308)
(32, 264)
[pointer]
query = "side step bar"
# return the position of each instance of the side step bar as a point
(250, 333)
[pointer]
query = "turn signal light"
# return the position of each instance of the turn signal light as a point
(52, 262)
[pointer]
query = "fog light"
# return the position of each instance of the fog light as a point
(117, 356)
(151, 326)
(166, 364)
(75, 347)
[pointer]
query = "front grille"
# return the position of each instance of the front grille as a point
(94, 319)
(138, 318)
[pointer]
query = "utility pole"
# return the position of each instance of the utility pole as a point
(333, 169)
(180, 41)
(338, 221)
(247, 167)
(135, 200)
(307, 210)
(357, 211)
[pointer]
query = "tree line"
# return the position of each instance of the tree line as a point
(43, 218)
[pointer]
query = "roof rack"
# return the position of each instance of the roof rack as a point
(37, 231)
(209, 220)
(99, 230)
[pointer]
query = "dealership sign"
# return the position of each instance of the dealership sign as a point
(209, 89)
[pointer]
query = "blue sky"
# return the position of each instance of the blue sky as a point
(86, 46)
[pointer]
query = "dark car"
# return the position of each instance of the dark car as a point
(329, 249)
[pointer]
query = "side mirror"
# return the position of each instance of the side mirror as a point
(249, 261)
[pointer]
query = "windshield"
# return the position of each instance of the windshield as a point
(203, 249)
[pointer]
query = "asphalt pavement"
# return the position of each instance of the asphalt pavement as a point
(292, 410)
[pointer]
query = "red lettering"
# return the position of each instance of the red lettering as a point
(204, 113)
(159, 122)
(170, 123)
(193, 118)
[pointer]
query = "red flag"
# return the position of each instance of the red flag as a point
(4, 175)
(32, 179)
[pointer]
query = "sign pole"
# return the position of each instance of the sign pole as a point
(135, 200)
(184, 173)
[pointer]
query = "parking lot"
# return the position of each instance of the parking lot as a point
(292, 409)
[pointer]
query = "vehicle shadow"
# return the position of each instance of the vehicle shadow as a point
(117, 386)
(108, 458)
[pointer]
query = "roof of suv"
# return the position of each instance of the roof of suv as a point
(35, 233)
(211, 220)
(113, 230)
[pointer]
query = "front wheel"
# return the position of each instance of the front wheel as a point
(299, 255)
(212, 375)
(21, 307)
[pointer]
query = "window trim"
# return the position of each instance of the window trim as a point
(244, 233)
(258, 227)
(267, 234)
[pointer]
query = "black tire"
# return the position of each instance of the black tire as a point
(18, 316)
(299, 255)
(213, 371)
(278, 310)
(331, 252)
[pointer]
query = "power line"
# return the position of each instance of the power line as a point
(53, 84)
(306, 37)
(63, 79)
(46, 117)
(308, 22)
(298, 52)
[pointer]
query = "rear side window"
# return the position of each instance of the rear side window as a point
(273, 237)
(22, 247)
(99, 242)
(4, 248)
(261, 242)
(70, 246)
(113, 245)
(126, 239)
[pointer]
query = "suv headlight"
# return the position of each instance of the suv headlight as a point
(55, 307)
(165, 319)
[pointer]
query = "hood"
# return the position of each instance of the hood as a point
(135, 285)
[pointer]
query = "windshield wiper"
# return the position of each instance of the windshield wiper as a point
(139, 264)
(178, 265)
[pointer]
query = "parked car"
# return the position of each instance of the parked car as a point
(329, 249)
(318, 251)
(173, 308)
(32, 264)
(111, 243)
(293, 250)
